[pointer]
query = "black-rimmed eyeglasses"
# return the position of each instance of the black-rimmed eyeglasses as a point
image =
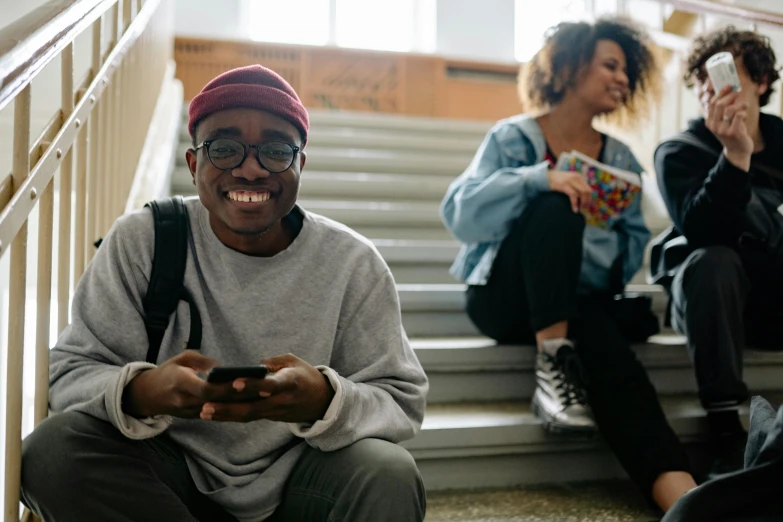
(228, 154)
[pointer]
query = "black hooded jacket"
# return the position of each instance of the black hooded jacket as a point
(705, 194)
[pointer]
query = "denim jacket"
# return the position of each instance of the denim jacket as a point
(509, 171)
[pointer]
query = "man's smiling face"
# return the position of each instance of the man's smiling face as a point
(247, 200)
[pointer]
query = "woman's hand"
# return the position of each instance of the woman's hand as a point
(573, 185)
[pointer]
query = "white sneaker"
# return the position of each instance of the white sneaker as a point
(560, 400)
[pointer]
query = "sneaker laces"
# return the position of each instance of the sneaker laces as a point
(572, 385)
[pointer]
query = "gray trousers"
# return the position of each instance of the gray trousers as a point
(723, 301)
(76, 468)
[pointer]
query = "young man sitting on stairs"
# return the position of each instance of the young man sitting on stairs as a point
(722, 181)
(315, 440)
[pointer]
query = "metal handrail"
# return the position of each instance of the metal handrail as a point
(30, 43)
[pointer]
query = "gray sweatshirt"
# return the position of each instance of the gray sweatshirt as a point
(329, 298)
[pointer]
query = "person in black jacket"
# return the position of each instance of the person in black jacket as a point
(722, 181)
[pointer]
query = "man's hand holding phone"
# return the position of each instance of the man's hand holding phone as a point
(175, 388)
(295, 392)
(725, 118)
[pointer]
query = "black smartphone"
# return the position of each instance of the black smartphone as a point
(223, 374)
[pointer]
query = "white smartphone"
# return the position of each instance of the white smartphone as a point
(722, 71)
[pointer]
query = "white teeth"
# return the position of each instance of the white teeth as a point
(247, 197)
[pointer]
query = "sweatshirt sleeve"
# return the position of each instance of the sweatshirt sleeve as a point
(481, 205)
(380, 386)
(104, 346)
(706, 199)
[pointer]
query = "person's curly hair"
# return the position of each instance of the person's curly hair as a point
(569, 48)
(754, 49)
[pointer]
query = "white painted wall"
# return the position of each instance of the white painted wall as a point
(476, 29)
(211, 18)
(11, 10)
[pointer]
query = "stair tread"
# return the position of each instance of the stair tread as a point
(386, 121)
(320, 136)
(358, 213)
(450, 297)
(357, 119)
(370, 177)
(508, 413)
(374, 206)
(471, 429)
(451, 288)
(463, 354)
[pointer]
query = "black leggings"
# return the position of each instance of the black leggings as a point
(534, 285)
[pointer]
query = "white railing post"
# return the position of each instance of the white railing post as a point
(94, 148)
(16, 308)
(44, 300)
(64, 222)
(80, 236)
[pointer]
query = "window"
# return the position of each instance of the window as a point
(388, 25)
(532, 18)
(293, 21)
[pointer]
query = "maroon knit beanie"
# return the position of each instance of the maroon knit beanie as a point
(254, 87)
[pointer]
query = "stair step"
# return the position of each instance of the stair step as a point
(417, 251)
(372, 186)
(409, 214)
(411, 274)
(392, 139)
(503, 444)
(432, 232)
(419, 261)
(325, 118)
(451, 297)
(428, 261)
(438, 324)
(438, 310)
(410, 124)
(462, 368)
(385, 161)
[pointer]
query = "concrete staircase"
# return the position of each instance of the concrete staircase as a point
(385, 176)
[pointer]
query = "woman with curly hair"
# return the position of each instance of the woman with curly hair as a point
(722, 182)
(536, 272)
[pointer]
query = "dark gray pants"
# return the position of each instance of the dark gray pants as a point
(723, 301)
(77, 468)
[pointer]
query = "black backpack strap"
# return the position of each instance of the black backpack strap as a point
(691, 139)
(166, 286)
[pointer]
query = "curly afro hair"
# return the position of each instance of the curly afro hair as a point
(754, 49)
(568, 49)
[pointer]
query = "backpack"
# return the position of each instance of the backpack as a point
(166, 287)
